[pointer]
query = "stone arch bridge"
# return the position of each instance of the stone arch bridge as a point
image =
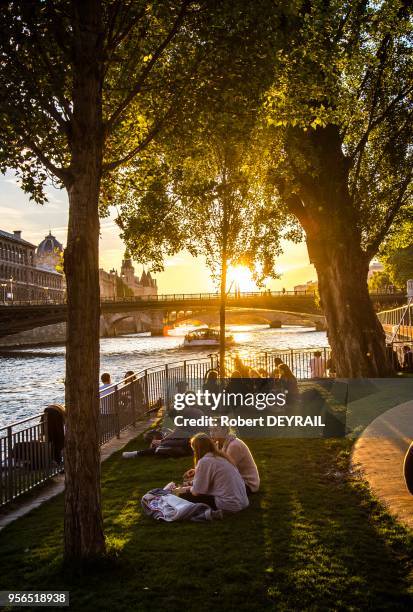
(22, 316)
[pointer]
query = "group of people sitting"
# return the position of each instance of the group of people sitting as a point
(245, 378)
(224, 472)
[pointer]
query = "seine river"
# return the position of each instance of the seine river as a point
(33, 378)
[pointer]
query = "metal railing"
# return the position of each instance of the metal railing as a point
(26, 457)
(298, 360)
(27, 450)
(398, 323)
(27, 454)
(210, 296)
(166, 297)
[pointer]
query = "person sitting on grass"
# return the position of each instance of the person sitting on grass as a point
(217, 482)
(240, 455)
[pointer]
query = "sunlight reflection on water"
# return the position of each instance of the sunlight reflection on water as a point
(34, 377)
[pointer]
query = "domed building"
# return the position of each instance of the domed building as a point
(49, 253)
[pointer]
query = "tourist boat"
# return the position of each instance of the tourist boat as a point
(206, 337)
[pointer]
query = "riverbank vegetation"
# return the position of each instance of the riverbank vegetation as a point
(313, 538)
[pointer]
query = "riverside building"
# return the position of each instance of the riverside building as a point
(28, 272)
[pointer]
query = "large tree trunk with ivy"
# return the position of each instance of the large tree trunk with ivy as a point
(84, 538)
(331, 220)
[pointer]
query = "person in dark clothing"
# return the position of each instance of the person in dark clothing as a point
(407, 359)
(408, 469)
(54, 418)
(288, 383)
(211, 382)
(393, 358)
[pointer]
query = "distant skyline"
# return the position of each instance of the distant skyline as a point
(182, 272)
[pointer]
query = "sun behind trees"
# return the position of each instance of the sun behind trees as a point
(216, 205)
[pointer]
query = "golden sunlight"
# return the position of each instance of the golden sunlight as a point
(240, 279)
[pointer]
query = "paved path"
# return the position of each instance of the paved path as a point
(56, 484)
(379, 453)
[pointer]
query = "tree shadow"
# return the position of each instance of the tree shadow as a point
(343, 550)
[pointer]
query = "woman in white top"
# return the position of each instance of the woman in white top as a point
(217, 481)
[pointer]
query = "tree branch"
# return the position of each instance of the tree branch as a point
(62, 173)
(374, 245)
(109, 166)
(118, 37)
(373, 123)
(148, 67)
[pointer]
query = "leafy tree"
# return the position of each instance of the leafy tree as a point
(227, 213)
(396, 253)
(213, 202)
(122, 288)
(85, 87)
(399, 264)
(340, 111)
(379, 282)
(204, 187)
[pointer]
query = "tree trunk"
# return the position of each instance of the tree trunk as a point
(222, 309)
(332, 221)
(84, 538)
(355, 335)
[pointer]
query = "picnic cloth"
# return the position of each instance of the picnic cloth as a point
(162, 505)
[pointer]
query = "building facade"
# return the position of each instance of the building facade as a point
(22, 277)
(145, 285)
(308, 287)
(28, 272)
(126, 284)
(108, 282)
(49, 253)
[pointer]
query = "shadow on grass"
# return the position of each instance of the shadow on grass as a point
(312, 539)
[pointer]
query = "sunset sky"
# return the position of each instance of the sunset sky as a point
(182, 272)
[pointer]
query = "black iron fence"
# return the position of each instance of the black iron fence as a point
(26, 457)
(29, 453)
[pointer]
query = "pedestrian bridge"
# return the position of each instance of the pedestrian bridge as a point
(21, 316)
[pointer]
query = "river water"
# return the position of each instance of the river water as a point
(33, 378)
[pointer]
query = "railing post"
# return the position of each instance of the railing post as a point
(117, 425)
(146, 390)
(10, 471)
(166, 386)
(133, 401)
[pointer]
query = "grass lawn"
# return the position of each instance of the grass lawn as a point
(313, 539)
